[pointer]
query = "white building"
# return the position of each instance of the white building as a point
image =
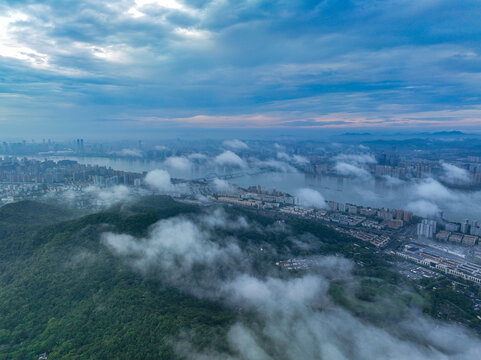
(426, 228)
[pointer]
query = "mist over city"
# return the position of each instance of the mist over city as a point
(190, 179)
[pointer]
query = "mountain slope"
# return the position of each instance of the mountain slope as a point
(29, 212)
(68, 291)
(63, 292)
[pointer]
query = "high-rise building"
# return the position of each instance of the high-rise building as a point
(80, 145)
(465, 226)
(475, 229)
(408, 215)
(426, 228)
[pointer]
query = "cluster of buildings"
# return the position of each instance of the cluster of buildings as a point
(51, 147)
(457, 238)
(337, 213)
(367, 224)
(404, 167)
(299, 211)
(469, 227)
(409, 169)
(443, 261)
(29, 178)
(426, 228)
(391, 218)
(258, 197)
(385, 164)
(378, 240)
(404, 170)
(419, 168)
(10, 192)
(373, 226)
(467, 233)
(414, 272)
(24, 171)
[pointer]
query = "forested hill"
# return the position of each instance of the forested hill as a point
(63, 293)
(67, 290)
(29, 212)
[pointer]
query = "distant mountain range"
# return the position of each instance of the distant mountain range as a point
(437, 133)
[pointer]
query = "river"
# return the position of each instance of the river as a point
(456, 205)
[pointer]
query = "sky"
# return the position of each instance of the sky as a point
(127, 66)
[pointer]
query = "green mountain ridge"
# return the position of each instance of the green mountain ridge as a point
(62, 291)
(28, 212)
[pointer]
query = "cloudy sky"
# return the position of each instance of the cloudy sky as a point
(151, 64)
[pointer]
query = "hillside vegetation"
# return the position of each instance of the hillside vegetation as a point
(62, 291)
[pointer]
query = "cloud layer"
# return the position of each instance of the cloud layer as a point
(290, 317)
(455, 175)
(133, 64)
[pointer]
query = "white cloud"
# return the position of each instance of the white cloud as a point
(296, 159)
(289, 317)
(228, 158)
(175, 245)
(111, 53)
(114, 194)
(311, 198)
(218, 219)
(159, 74)
(301, 160)
(343, 168)
(11, 47)
(197, 156)
(283, 156)
(423, 208)
(36, 50)
(257, 293)
(159, 180)
(105, 197)
(130, 153)
(236, 144)
(393, 181)
(222, 186)
(455, 175)
(140, 9)
(433, 190)
(178, 163)
(191, 33)
(275, 165)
